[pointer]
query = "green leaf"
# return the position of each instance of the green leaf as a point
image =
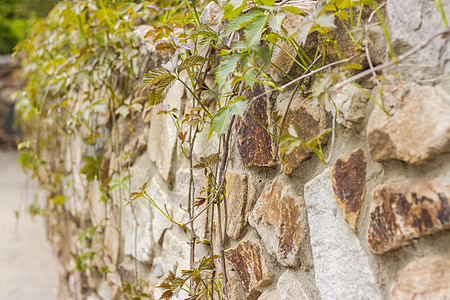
(191, 61)
(276, 21)
(226, 67)
(233, 9)
(292, 9)
(153, 76)
(92, 167)
(264, 53)
(238, 107)
(220, 122)
(158, 89)
(267, 2)
(123, 110)
(241, 21)
(254, 30)
(59, 199)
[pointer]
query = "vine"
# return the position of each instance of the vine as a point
(86, 70)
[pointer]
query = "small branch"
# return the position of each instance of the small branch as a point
(287, 109)
(343, 61)
(390, 64)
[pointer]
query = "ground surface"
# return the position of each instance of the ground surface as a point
(28, 268)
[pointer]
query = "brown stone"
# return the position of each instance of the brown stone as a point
(282, 56)
(247, 260)
(424, 278)
(237, 196)
(401, 212)
(311, 121)
(419, 129)
(112, 241)
(254, 142)
(279, 217)
(348, 177)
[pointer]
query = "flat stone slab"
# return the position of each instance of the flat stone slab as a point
(401, 212)
(422, 279)
(341, 267)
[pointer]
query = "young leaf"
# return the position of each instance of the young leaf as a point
(152, 77)
(227, 66)
(191, 61)
(275, 22)
(238, 108)
(254, 30)
(220, 122)
(241, 21)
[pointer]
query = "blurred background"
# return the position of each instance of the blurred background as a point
(16, 18)
(28, 270)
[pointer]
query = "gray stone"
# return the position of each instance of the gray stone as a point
(160, 223)
(162, 139)
(410, 22)
(279, 216)
(351, 103)
(268, 295)
(341, 267)
(137, 217)
(292, 286)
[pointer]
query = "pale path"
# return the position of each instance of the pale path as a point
(28, 269)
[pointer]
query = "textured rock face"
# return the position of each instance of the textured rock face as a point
(291, 286)
(351, 103)
(238, 197)
(401, 212)
(247, 260)
(163, 134)
(311, 121)
(282, 57)
(348, 177)
(422, 279)
(341, 267)
(254, 142)
(419, 19)
(279, 217)
(419, 129)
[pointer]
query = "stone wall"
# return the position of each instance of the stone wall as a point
(371, 224)
(10, 82)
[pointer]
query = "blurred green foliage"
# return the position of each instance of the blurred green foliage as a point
(15, 16)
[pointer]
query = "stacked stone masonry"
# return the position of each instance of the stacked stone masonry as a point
(371, 224)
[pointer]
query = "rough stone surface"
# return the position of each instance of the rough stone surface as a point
(348, 177)
(268, 295)
(311, 121)
(341, 267)
(237, 196)
(112, 241)
(291, 286)
(248, 261)
(254, 142)
(375, 41)
(422, 279)
(351, 103)
(279, 216)
(410, 22)
(419, 129)
(282, 57)
(162, 138)
(401, 212)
